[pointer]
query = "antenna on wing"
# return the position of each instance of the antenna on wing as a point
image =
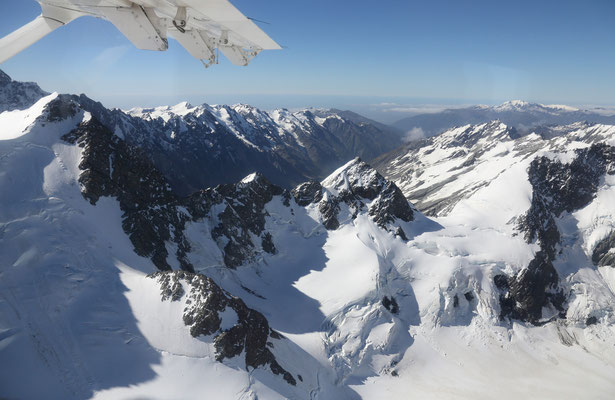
(258, 20)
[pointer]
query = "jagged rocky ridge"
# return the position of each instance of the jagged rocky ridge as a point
(18, 95)
(154, 216)
(604, 252)
(361, 188)
(557, 188)
(197, 147)
(438, 173)
(205, 302)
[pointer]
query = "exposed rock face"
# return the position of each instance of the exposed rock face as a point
(60, 108)
(151, 215)
(205, 302)
(197, 147)
(557, 188)
(154, 215)
(604, 252)
(307, 193)
(525, 295)
(16, 95)
(390, 304)
(361, 188)
(243, 216)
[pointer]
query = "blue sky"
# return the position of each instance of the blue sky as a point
(348, 53)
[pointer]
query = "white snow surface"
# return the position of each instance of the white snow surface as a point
(259, 129)
(17, 122)
(440, 174)
(80, 319)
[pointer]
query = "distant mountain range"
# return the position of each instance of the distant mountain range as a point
(521, 115)
(202, 146)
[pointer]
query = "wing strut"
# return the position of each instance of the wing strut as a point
(51, 19)
(26, 36)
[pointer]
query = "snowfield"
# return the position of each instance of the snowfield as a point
(362, 312)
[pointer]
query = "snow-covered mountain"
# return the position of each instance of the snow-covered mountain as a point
(18, 95)
(202, 146)
(439, 172)
(522, 115)
(116, 286)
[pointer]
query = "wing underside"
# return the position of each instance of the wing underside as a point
(202, 27)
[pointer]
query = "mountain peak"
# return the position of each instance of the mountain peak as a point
(521, 105)
(4, 78)
(355, 173)
(516, 105)
(16, 95)
(361, 187)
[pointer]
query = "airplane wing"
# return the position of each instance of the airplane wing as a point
(236, 36)
(230, 18)
(51, 19)
(202, 27)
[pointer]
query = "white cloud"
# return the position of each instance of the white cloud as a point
(415, 109)
(109, 56)
(415, 133)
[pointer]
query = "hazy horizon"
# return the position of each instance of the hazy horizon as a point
(410, 53)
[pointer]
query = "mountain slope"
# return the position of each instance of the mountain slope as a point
(77, 299)
(437, 173)
(114, 286)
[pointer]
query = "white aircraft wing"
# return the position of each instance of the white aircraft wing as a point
(201, 26)
(230, 18)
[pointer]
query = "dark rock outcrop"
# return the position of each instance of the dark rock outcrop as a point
(151, 210)
(16, 95)
(249, 334)
(603, 254)
(390, 304)
(307, 193)
(557, 188)
(356, 185)
(243, 215)
(154, 215)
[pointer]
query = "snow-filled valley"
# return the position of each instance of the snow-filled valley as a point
(113, 286)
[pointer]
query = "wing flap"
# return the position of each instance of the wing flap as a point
(140, 25)
(222, 12)
(237, 55)
(198, 44)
